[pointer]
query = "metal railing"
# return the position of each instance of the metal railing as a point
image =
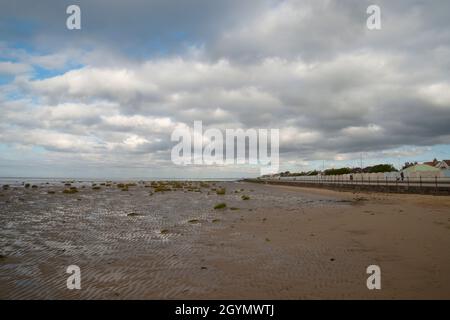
(436, 182)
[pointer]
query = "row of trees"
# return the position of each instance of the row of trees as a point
(329, 172)
(346, 170)
(371, 169)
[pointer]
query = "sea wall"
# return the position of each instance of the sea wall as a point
(386, 188)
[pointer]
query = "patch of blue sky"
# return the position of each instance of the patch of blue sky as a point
(38, 149)
(14, 95)
(3, 147)
(41, 73)
(5, 79)
(441, 151)
(9, 151)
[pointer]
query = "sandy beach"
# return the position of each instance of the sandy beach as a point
(166, 241)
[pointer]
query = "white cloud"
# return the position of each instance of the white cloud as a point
(11, 68)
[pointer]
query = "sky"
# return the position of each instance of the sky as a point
(102, 101)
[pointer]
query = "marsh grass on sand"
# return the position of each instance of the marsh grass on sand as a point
(221, 191)
(72, 190)
(219, 206)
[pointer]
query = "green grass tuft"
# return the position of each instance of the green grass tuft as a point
(70, 191)
(221, 205)
(221, 191)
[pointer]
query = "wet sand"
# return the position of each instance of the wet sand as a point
(282, 243)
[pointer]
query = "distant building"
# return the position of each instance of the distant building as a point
(429, 169)
(433, 163)
(444, 165)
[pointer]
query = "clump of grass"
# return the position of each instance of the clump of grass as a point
(34, 186)
(67, 184)
(96, 188)
(194, 221)
(234, 208)
(245, 197)
(221, 191)
(124, 189)
(204, 185)
(120, 185)
(221, 205)
(161, 188)
(133, 214)
(51, 192)
(177, 185)
(216, 220)
(164, 231)
(5, 186)
(70, 191)
(27, 185)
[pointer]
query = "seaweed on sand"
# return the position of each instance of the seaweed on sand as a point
(221, 205)
(221, 191)
(71, 190)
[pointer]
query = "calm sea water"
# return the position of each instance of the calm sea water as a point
(17, 181)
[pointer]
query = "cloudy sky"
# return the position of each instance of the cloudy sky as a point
(103, 101)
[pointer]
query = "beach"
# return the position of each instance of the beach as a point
(220, 240)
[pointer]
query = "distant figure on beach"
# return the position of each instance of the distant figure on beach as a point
(402, 176)
(351, 177)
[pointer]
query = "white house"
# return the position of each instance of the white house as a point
(444, 164)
